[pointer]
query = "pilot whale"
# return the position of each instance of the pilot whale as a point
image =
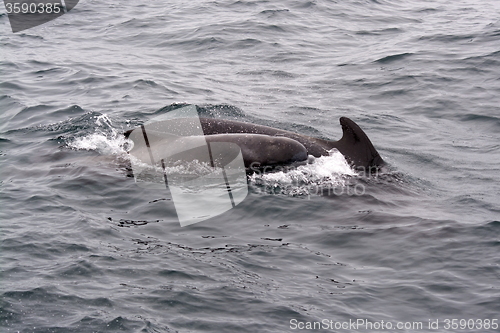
(263, 146)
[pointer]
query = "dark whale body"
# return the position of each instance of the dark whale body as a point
(260, 150)
(354, 144)
(263, 146)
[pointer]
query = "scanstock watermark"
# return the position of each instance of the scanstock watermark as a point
(204, 178)
(26, 14)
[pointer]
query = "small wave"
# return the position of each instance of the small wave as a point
(393, 57)
(379, 32)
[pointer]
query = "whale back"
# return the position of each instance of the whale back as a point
(354, 144)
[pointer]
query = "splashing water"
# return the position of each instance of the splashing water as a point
(326, 172)
(106, 140)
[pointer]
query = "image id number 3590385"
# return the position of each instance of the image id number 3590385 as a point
(470, 324)
(33, 8)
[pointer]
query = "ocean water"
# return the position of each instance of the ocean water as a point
(84, 249)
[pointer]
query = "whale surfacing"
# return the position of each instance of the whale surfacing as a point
(205, 162)
(264, 146)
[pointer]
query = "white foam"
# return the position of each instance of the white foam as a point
(324, 172)
(106, 140)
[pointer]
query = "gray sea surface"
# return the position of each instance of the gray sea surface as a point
(84, 249)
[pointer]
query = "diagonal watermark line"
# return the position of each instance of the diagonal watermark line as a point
(147, 145)
(64, 6)
(223, 174)
(228, 187)
(164, 172)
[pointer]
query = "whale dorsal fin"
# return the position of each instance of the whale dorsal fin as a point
(356, 147)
